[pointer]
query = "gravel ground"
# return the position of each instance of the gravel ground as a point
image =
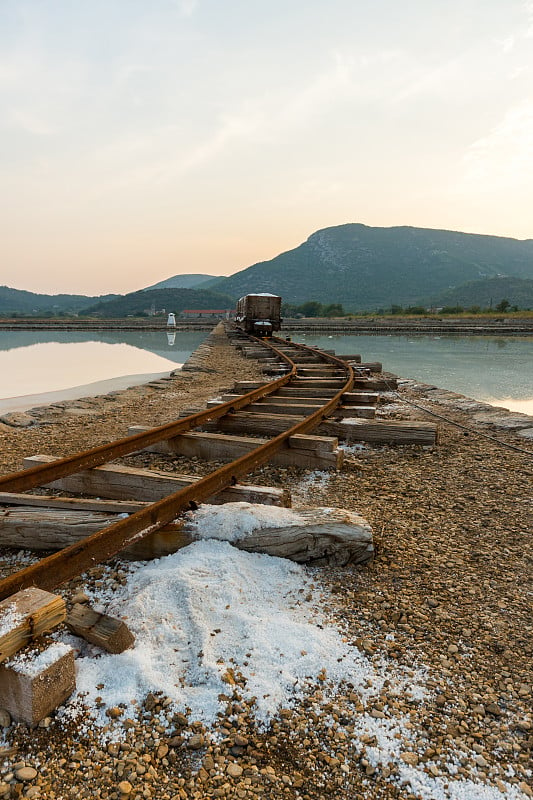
(448, 595)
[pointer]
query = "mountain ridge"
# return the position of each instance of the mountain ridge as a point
(366, 267)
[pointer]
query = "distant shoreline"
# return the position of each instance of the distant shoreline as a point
(28, 401)
(497, 325)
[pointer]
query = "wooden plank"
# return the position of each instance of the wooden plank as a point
(274, 398)
(25, 615)
(107, 632)
(308, 452)
(242, 387)
(123, 483)
(373, 366)
(317, 383)
(301, 409)
(33, 686)
(360, 398)
(315, 535)
(271, 407)
(54, 529)
(70, 503)
(262, 424)
(356, 359)
(41, 528)
(343, 412)
(375, 384)
(382, 432)
(350, 430)
(304, 391)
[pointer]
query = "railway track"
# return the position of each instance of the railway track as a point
(310, 386)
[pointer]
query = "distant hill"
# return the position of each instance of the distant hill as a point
(190, 281)
(18, 301)
(172, 300)
(366, 267)
(489, 292)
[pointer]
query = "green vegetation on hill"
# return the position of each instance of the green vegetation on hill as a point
(146, 302)
(190, 281)
(18, 301)
(490, 292)
(366, 268)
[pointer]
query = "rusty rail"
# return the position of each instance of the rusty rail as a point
(100, 546)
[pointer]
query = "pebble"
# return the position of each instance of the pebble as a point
(25, 774)
(5, 718)
(234, 770)
(125, 787)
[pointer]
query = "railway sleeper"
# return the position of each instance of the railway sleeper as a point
(306, 452)
(125, 483)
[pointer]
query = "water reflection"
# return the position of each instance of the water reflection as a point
(493, 369)
(34, 362)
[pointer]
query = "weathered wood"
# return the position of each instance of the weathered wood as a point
(33, 684)
(242, 387)
(356, 359)
(53, 529)
(70, 503)
(372, 366)
(350, 430)
(274, 398)
(360, 398)
(306, 391)
(107, 632)
(375, 384)
(123, 483)
(312, 535)
(25, 615)
(382, 432)
(308, 452)
(262, 424)
(292, 408)
(365, 412)
(317, 383)
(34, 528)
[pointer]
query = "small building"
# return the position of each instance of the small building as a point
(206, 313)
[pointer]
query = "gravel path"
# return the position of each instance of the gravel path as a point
(448, 598)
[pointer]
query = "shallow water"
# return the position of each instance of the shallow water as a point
(42, 362)
(497, 370)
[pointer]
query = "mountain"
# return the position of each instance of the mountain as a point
(190, 281)
(489, 292)
(366, 267)
(18, 301)
(147, 300)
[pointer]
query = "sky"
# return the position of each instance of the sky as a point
(140, 140)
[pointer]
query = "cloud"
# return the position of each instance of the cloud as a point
(187, 7)
(504, 157)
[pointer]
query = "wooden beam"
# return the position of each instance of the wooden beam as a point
(315, 535)
(69, 503)
(123, 483)
(350, 430)
(54, 529)
(41, 528)
(360, 398)
(25, 615)
(375, 384)
(305, 391)
(33, 686)
(317, 383)
(107, 632)
(308, 452)
(382, 432)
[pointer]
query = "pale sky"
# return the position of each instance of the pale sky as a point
(140, 140)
